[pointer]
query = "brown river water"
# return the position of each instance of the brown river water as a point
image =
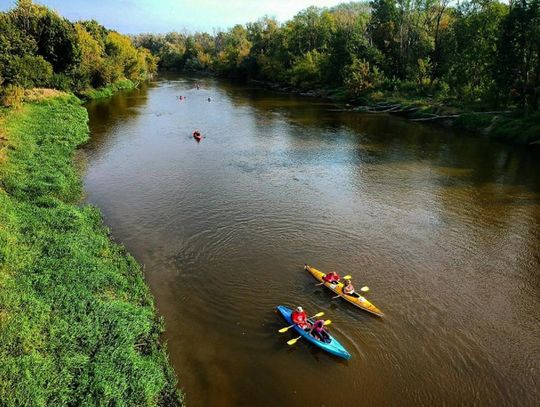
(443, 227)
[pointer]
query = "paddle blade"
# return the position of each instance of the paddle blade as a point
(327, 322)
(364, 289)
(347, 277)
(320, 314)
(282, 330)
(293, 341)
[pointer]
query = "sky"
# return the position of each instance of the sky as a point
(161, 16)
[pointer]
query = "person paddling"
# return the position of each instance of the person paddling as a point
(318, 331)
(299, 317)
(348, 288)
(331, 278)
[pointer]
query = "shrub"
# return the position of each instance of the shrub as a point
(28, 71)
(361, 76)
(61, 81)
(306, 70)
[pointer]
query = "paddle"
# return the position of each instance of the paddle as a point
(364, 289)
(320, 314)
(293, 341)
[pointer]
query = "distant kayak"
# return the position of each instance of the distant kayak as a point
(357, 300)
(197, 136)
(332, 346)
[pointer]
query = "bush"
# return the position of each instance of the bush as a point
(28, 71)
(361, 76)
(306, 70)
(61, 82)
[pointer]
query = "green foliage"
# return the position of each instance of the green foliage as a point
(39, 48)
(77, 322)
(517, 69)
(306, 70)
(474, 38)
(54, 35)
(30, 71)
(481, 52)
(108, 91)
(232, 50)
(361, 76)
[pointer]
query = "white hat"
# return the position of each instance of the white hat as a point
(299, 309)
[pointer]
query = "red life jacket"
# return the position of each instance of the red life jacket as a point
(331, 277)
(299, 318)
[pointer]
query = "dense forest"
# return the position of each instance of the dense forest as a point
(482, 52)
(39, 48)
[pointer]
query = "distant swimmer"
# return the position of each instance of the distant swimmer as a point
(209, 99)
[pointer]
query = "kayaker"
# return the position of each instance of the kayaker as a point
(318, 331)
(299, 317)
(331, 277)
(348, 288)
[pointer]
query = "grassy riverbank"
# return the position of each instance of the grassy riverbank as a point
(108, 91)
(77, 322)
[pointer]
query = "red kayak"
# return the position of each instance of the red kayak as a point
(197, 135)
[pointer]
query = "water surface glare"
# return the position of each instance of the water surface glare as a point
(443, 227)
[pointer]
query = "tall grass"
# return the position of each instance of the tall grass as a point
(77, 322)
(108, 91)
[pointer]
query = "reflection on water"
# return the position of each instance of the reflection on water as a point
(443, 227)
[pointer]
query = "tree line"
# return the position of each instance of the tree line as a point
(481, 52)
(39, 48)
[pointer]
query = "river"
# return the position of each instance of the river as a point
(443, 227)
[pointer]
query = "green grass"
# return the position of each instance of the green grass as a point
(108, 91)
(77, 322)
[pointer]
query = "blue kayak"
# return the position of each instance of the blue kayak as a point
(333, 346)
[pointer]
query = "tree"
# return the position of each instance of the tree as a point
(474, 46)
(91, 60)
(55, 37)
(517, 69)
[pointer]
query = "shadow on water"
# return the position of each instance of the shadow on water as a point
(117, 109)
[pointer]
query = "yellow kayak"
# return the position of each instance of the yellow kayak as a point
(359, 301)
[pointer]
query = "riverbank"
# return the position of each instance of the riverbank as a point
(512, 126)
(108, 91)
(77, 322)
